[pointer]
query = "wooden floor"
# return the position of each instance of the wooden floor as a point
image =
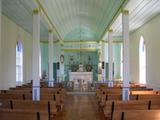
(81, 107)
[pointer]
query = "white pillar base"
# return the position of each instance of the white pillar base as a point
(50, 83)
(103, 76)
(110, 83)
(125, 94)
(58, 76)
(36, 93)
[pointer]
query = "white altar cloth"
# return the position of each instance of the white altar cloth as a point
(86, 76)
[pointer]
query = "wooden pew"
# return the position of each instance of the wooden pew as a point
(155, 105)
(11, 96)
(106, 97)
(111, 106)
(59, 100)
(22, 115)
(149, 97)
(144, 92)
(118, 84)
(28, 96)
(136, 115)
(50, 90)
(111, 97)
(29, 105)
(106, 91)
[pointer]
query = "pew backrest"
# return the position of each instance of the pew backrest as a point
(22, 115)
(136, 115)
(111, 106)
(40, 106)
(144, 92)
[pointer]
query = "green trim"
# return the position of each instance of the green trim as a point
(46, 42)
(78, 50)
(82, 42)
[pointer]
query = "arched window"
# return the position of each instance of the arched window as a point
(40, 67)
(121, 62)
(142, 61)
(19, 63)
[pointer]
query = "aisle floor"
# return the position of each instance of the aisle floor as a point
(81, 107)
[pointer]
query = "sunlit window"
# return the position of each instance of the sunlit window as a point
(40, 67)
(19, 63)
(121, 62)
(142, 61)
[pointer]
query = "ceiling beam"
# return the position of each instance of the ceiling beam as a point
(114, 17)
(49, 19)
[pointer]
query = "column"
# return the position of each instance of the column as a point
(62, 66)
(110, 58)
(35, 57)
(55, 62)
(117, 60)
(103, 63)
(50, 55)
(126, 49)
(58, 62)
(0, 45)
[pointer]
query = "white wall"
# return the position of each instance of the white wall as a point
(151, 33)
(10, 35)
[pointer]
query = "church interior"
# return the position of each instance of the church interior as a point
(79, 60)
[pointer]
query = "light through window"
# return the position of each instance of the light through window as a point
(142, 61)
(19, 63)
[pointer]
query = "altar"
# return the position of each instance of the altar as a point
(86, 76)
(81, 80)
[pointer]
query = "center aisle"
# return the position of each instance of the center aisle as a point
(81, 107)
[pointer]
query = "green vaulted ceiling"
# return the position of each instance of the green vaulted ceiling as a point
(81, 19)
(73, 20)
(76, 20)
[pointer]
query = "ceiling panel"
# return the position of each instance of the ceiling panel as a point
(140, 12)
(20, 12)
(81, 19)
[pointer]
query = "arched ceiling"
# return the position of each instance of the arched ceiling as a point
(77, 20)
(20, 12)
(81, 19)
(140, 12)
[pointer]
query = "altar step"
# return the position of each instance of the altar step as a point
(81, 93)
